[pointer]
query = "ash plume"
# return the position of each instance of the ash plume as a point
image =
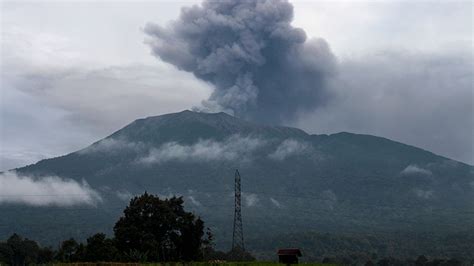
(262, 68)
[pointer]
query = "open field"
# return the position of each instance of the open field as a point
(258, 263)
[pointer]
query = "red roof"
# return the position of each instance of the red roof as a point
(289, 251)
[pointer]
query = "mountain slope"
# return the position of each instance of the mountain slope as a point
(291, 181)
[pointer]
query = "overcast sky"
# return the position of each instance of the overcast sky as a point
(72, 72)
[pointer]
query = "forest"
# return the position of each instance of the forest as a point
(154, 230)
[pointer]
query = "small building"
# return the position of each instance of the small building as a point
(288, 255)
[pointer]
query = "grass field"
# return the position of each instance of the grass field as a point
(258, 263)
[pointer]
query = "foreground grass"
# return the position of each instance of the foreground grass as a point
(255, 263)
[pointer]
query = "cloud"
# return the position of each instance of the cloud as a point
(428, 94)
(275, 202)
(112, 145)
(12, 158)
(60, 94)
(70, 100)
(413, 169)
(289, 147)
(262, 68)
(250, 199)
(371, 25)
(194, 201)
(124, 195)
(45, 191)
(232, 148)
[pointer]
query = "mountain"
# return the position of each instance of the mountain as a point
(291, 181)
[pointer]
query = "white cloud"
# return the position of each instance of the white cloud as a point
(275, 202)
(250, 199)
(71, 97)
(288, 148)
(194, 201)
(45, 191)
(377, 24)
(232, 148)
(413, 169)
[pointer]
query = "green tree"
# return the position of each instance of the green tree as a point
(162, 229)
(100, 248)
(45, 255)
(68, 251)
(18, 251)
(208, 248)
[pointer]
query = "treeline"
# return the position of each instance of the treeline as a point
(150, 230)
(18, 251)
(351, 248)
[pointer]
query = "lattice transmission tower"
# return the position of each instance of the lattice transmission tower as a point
(238, 234)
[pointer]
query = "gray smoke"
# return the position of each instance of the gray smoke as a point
(261, 66)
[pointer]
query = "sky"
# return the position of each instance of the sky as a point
(73, 72)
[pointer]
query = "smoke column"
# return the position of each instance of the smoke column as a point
(262, 67)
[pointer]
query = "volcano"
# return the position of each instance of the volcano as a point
(292, 181)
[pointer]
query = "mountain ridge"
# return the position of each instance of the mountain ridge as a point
(192, 115)
(291, 180)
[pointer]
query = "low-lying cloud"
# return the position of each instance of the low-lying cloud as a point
(232, 148)
(413, 169)
(45, 191)
(235, 147)
(289, 147)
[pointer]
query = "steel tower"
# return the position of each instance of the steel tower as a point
(238, 234)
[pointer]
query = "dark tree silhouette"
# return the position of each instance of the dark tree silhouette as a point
(100, 248)
(161, 229)
(18, 251)
(45, 255)
(421, 261)
(68, 251)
